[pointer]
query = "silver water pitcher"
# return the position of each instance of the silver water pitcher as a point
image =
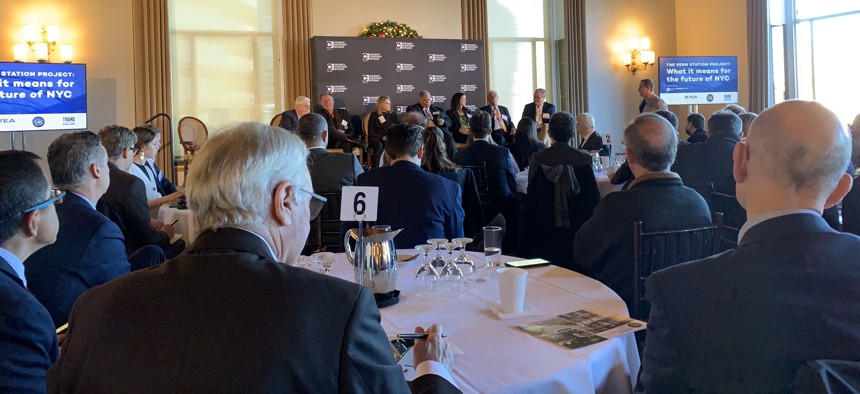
(380, 257)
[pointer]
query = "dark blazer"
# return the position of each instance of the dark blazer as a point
(594, 142)
(604, 244)
(851, 209)
(501, 183)
(699, 136)
(336, 139)
(89, 251)
(456, 124)
(164, 185)
(436, 112)
(424, 205)
(125, 204)
(558, 153)
(504, 111)
(473, 211)
(289, 120)
(706, 162)
(379, 130)
(331, 171)
(28, 342)
(227, 317)
(530, 112)
(747, 319)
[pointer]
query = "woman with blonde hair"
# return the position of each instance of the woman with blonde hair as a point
(377, 125)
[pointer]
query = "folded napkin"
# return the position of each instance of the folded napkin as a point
(529, 310)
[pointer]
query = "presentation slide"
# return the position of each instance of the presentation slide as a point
(699, 80)
(43, 96)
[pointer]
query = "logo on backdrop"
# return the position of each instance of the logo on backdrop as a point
(69, 121)
(367, 57)
(468, 67)
(438, 99)
(329, 45)
(369, 100)
(369, 78)
(468, 47)
(468, 88)
(471, 107)
(436, 57)
(401, 109)
(331, 67)
(709, 97)
(404, 45)
(38, 121)
(404, 88)
(7, 120)
(436, 78)
(336, 88)
(404, 67)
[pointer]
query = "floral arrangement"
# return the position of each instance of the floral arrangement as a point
(389, 29)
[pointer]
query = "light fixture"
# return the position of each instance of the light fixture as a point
(42, 45)
(640, 56)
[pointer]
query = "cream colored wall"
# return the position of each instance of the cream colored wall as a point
(708, 28)
(432, 19)
(101, 34)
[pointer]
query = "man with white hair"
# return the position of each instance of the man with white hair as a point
(231, 314)
(590, 139)
(290, 119)
(746, 320)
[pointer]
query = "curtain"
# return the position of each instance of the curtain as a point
(758, 43)
(574, 78)
(297, 56)
(474, 19)
(152, 72)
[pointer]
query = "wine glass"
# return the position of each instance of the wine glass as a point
(324, 260)
(467, 266)
(451, 276)
(438, 261)
(426, 276)
(302, 262)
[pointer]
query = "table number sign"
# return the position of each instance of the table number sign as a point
(359, 204)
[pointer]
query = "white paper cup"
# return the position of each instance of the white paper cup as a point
(512, 289)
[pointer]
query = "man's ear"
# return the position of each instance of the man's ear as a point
(842, 188)
(95, 171)
(283, 204)
(30, 224)
(630, 159)
(325, 137)
(740, 157)
(421, 153)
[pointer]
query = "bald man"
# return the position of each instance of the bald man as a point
(747, 319)
(657, 197)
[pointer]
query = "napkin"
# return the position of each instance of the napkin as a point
(529, 310)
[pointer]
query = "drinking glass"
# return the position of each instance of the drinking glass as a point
(324, 260)
(426, 276)
(438, 261)
(303, 262)
(465, 263)
(596, 164)
(450, 276)
(493, 246)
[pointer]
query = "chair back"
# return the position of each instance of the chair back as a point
(734, 217)
(192, 134)
(275, 120)
(480, 173)
(653, 251)
(326, 233)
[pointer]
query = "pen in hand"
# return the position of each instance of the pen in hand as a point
(416, 335)
(174, 222)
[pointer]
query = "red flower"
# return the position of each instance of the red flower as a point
(381, 34)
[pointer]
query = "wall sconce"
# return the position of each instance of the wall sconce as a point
(640, 56)
(42, 45)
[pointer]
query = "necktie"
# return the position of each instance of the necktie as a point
(538, 114)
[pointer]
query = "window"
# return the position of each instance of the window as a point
(811, 43)
(224, 61)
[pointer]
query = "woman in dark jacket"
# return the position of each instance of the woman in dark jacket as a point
(459, 116)
(378, 123)
(525, 142)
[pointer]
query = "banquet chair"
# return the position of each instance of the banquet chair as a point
(192, 134)
(275, 120)
(653, 251)
(326, 232)
(734, 217)
(480, 173)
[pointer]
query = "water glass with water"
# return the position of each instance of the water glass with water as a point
(493, 246)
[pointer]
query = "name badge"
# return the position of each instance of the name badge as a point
(546, 116)
(381, 119)
(343, 123)
(468, 116)
(435, 113)
(505, 118)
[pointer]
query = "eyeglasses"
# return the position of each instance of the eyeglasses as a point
(56, 198)
(316, 204)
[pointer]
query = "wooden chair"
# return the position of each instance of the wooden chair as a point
(653, 251)
(192, 134)
(734, 217)
(275, 121)
(480, 173)
(326, 234)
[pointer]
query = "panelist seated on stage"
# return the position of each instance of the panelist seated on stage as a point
(746, 320)
(330, 171)
(604, 245)
(539, 110)
(233, 314)
(424, 205)
(28, 222)
(459, 116)
(147, 146)
(290, 119)
(378, 123)
(436, 117)
(340, 130)
(503, 129)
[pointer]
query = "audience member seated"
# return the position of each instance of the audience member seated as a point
(340, 132)
(378, 123)
(90, 249)
(290, 119)
(459, 116)
(435, 117)
(735, 109)
(500, 166)
(707, 163)
(561, 151)
(650, 101)
(539, 110)
(657, 197)
(164, 185)
(695, 128)
(124, 202)
(424, 205)
(746, 320)
(28, 222)
(147, 146)
(525, 142)
(503, 124)
(591, 139)
(300, 331)
(437, 162)
(851, 202)
(330, 171)
(623, 175)
(747, 118)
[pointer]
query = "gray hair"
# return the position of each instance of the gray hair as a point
(116, 139)
(70, 156)
(652, 142)
(423, 93)
(311, 127)
(302, 99)
(542, 91)
(414, 118)
(234, 174)
(585, 119)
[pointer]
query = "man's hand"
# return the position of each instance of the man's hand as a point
(429, 123)
(156, 224)
(434, 348)
(463, 130)
(169, 230)
(440, 122)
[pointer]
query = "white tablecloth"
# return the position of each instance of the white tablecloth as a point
(500, 359)
(603, 185)
(184, 225)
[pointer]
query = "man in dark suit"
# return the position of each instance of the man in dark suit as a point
(28, 222)
(436, 118)
(330, 171)
(695, 128)
(503, 126)
(341, 135)
(90, 249)
(747, 319)
(539, 110)
(124, 202)
(424, 205)
(290, 119)
(709, 162)
(590, 139)
(657, 197)
(298, 331)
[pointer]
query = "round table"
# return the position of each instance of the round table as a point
(603, 185)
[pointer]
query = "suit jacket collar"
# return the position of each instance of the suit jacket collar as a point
(73, 198)
(786, 226)
(233, 239)
(405, 164)
(7, 270)
(657, 178)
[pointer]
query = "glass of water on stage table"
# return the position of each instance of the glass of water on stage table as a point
(493, 246)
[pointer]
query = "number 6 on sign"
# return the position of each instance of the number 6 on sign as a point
(359, 204)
